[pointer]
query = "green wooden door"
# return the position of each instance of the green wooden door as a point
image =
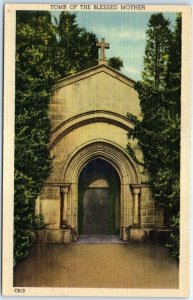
(97, 200)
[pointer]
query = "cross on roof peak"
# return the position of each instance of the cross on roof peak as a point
(102, 45)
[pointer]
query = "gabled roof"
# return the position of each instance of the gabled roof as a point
(92, 71)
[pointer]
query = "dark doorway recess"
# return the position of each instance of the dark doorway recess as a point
(99, 199)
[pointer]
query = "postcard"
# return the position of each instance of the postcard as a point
(96, 150)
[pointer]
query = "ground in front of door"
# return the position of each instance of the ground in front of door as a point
(98, 265)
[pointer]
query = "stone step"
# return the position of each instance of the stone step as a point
(99, 239)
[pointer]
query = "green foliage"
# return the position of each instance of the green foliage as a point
(35, 45)
(158, 132)
(76, 49)
(115, 63)
(23, 212)
(132, 118)
(39, 222)
(174, 242)
(157, 52)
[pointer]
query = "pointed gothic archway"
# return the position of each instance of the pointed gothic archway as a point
(119, 160)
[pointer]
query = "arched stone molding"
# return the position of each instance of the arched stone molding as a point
(107, 150)
(123, 164)
(88, 118)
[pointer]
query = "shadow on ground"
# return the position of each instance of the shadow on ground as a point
(98, 265)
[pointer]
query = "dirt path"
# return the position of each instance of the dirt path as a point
(98, 265)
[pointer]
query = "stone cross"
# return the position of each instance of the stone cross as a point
(102, 45)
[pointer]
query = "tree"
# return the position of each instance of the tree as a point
(76, 48)
(158, 132)
(35, 46)
(173, 94)
(115, 63)
(157, 52)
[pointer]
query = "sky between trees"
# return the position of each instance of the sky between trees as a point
(125, 32)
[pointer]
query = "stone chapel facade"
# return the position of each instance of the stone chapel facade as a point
(95, 187)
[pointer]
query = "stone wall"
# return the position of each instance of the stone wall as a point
(96, 92)
(150, 215)
(88, 114)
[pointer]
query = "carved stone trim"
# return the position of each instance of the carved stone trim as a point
(111, 152)
(57, 184)
(93, 71)
(140, 186)
(64, 190)
(88, 118)
(136, 191)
